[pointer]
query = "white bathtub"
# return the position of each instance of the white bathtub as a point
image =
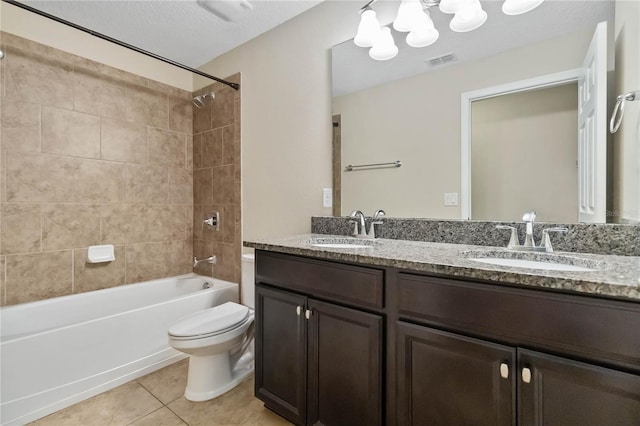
(59, 351)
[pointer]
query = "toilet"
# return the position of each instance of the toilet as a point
(219, 342)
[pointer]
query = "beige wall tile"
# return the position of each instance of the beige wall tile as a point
(123, 141)
(189, 153)
(119, 406)
(166, 222)
(203, 186)
(180, 186)
(96, 276)
(20, 125)
(166, 148)
(197, 226)
(146, 262)
(97, 93)
(189, 217)
(179, 257)
(228, 145)
(21, 228)
(70, 133)
(67, 226)
(222, 108)
(38, 276)
(223, 185)
(31, 77)
(147, 106)
(2, 269)
(197, 151)
(39, 177)
(181, 114)
(100, 181)
(202, 118)
(212, 148)
(147, 184)
(125, 223)
(227, 258)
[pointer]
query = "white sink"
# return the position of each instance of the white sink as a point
(340, 243)
(532, 264)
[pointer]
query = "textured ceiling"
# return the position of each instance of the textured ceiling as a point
(354, 70)
(176, 29)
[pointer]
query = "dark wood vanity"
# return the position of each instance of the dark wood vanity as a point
(349, 344)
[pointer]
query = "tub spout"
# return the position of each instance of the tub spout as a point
(210, 259)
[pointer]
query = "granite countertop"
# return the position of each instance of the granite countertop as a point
(614, 276)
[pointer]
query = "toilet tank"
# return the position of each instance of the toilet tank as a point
(248, 280)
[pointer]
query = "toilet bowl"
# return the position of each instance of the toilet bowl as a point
(219, 343)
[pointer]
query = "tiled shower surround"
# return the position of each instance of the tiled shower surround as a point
(92, 155)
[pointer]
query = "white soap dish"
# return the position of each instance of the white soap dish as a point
(99, 254)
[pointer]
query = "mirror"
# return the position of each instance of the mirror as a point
(408, 109)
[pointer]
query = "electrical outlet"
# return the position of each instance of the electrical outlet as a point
(450, 198)
(327, 197)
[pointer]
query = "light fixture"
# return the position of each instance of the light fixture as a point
(413, 17)
(383, 47)
(518, 7)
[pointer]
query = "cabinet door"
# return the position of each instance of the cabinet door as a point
(345, 366)
(566, 392)
(447, 379)
(281, 352)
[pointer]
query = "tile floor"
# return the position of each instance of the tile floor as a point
(156, 400)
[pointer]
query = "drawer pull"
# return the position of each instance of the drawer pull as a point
(307, 313)
(504, 370)
(526, 375)
(298, 310)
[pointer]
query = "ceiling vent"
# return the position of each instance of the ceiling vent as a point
(441, 60)
(228, 10)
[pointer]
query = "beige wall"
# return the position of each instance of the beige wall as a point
(286, 118)
(417, 121)
(50, 33)
(626, 142)
(90, 155)
(524, 155)
(216, 181)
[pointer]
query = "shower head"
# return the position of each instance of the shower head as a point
(201, 100)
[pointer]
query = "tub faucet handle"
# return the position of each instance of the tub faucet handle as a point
(210, 259)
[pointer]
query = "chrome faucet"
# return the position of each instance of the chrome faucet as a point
(372, 228)
(529, 218)
(210, 259)
(357, 216)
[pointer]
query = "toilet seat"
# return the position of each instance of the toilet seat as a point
(211, 322)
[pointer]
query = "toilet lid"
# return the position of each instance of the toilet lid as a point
(210, 321)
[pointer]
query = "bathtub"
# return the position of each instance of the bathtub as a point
(59, 351)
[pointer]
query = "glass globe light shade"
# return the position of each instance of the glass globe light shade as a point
(468, 17)
(518, 7)
(368, 29)
(384, 47)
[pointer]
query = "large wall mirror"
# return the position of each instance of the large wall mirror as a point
(523, 153)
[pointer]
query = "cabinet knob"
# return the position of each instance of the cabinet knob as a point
(526, 375)
(298, 310)
(308, 313)
(504, 370)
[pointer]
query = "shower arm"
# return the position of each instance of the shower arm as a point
(21, 5)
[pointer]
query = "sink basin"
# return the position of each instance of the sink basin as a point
(340, 243)
(532, 264)
(540, 261)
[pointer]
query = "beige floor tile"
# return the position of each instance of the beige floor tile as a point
(238, 407)
(167, 384)
(161, 417)
(119, 406)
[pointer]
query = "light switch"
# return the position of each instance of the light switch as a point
(327, 197)
(450, 198)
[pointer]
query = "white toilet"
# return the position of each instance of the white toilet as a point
(219, 341)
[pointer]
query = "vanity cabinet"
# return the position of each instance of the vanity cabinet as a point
(472, 353)
(318, 361)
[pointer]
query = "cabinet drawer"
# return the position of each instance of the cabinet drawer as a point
(355, 285)
(594, 328)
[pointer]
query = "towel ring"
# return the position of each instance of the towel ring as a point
(618, 110)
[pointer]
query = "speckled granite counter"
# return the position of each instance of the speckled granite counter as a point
(616, 276)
